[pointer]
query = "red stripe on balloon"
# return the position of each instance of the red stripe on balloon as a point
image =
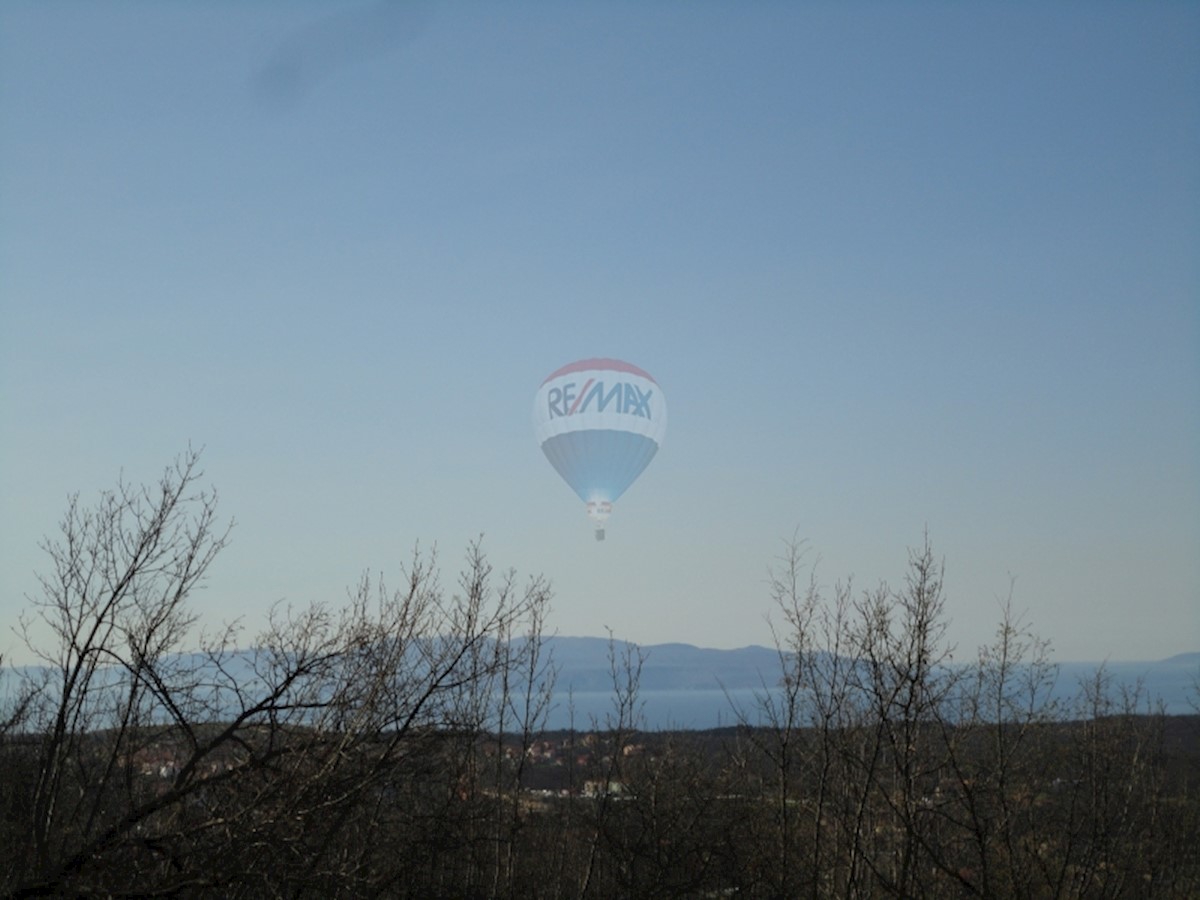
(579, 399)
(600, 363)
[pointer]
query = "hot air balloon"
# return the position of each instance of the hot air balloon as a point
(599, 422)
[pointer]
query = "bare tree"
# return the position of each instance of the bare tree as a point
(606, 842)
(114, 604)
(164, 760)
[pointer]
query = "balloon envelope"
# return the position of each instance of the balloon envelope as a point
(599, 422)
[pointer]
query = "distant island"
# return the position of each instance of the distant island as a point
(1182, 659)
(703, 687)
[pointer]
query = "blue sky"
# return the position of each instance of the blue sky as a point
(896, 268)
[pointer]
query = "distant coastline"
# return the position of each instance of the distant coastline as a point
(682, 686)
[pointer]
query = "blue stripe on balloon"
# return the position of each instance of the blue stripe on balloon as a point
(599, 464)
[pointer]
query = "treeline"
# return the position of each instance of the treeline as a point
(394, 746)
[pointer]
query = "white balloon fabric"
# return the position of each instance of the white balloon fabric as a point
(600, 422)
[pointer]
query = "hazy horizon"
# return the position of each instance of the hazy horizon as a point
(899, 270)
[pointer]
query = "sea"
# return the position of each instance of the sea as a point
(1150, 687)
(578, 702)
